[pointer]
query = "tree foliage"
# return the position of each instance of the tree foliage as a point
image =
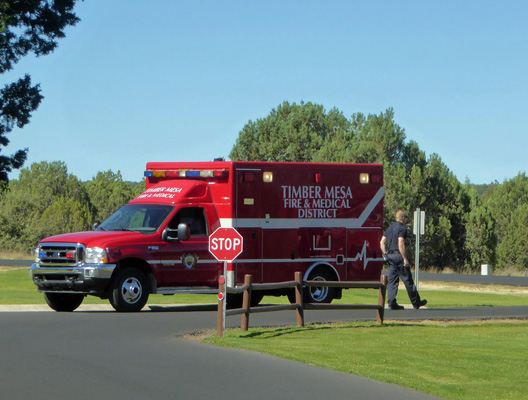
(32, 26)
(508, 204)
(47, 200)
(481, 237)
(108, 193)
(291, 132)
(26, 26)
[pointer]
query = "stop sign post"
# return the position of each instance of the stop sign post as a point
(225, 244)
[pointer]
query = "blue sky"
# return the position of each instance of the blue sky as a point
(171, 80)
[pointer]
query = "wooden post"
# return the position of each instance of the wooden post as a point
(246, 301)
(299, 300)
(381, 300)
(220, 326)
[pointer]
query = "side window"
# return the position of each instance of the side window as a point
(192, 216)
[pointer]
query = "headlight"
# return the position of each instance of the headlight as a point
(95, 255)
(37, 255)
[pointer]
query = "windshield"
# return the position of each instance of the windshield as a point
(137, 217)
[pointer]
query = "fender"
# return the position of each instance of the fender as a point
(317, 264)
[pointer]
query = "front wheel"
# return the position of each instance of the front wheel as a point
(130, 291)
(64, 302)
(233, 300)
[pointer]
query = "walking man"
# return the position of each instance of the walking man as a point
(393, 249)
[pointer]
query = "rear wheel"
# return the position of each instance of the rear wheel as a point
(291, 296)
(319, 294)
(65, 302)
(236, 300)
(130, 291)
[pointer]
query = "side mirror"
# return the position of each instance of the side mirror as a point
(165, 234)
(171, 235)
(184, 232)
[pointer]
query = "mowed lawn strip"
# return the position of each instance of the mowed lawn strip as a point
(17, 288)
(449, 360)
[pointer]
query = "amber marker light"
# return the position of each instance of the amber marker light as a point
(267, 177)
(364, 178)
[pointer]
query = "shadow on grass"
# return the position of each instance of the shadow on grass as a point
(270, 332)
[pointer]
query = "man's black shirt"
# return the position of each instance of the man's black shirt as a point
(392, 234)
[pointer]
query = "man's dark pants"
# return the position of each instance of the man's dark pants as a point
(396, 272)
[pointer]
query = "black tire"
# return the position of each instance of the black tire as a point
(64, 302)
(256, 298)
(291, 296)
(319, 294)
(130, 290)
(234, 301)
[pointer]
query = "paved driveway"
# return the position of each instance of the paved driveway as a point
(108, 355)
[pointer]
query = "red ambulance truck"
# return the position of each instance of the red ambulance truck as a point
(325, 220)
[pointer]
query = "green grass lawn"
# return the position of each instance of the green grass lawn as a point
(17, 288)
(448, 360)
(449, 295)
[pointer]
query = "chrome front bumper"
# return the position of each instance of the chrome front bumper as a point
(85, 279)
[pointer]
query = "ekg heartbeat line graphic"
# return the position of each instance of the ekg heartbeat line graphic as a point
(362, 256)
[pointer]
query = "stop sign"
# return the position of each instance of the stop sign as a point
(225, 244)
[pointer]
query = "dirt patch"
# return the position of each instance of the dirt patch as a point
(460, 322)
(5, 269)
(199, 336)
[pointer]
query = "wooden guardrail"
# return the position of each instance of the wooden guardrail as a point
(299, 305)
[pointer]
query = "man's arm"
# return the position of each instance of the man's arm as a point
(401, 247)
(383, 244)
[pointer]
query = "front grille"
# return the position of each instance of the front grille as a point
(61, 254)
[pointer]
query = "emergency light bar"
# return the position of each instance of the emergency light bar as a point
(185, 173)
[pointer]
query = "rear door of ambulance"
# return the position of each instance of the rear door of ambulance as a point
(248, 209)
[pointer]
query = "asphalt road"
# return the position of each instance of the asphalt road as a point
(480, 279)
(108, 355)
(15, 263)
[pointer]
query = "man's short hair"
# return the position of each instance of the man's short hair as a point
(400, 214)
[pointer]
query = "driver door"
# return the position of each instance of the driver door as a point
(189, 263)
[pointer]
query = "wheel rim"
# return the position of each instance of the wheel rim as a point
(131, 290)
(318, 293)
